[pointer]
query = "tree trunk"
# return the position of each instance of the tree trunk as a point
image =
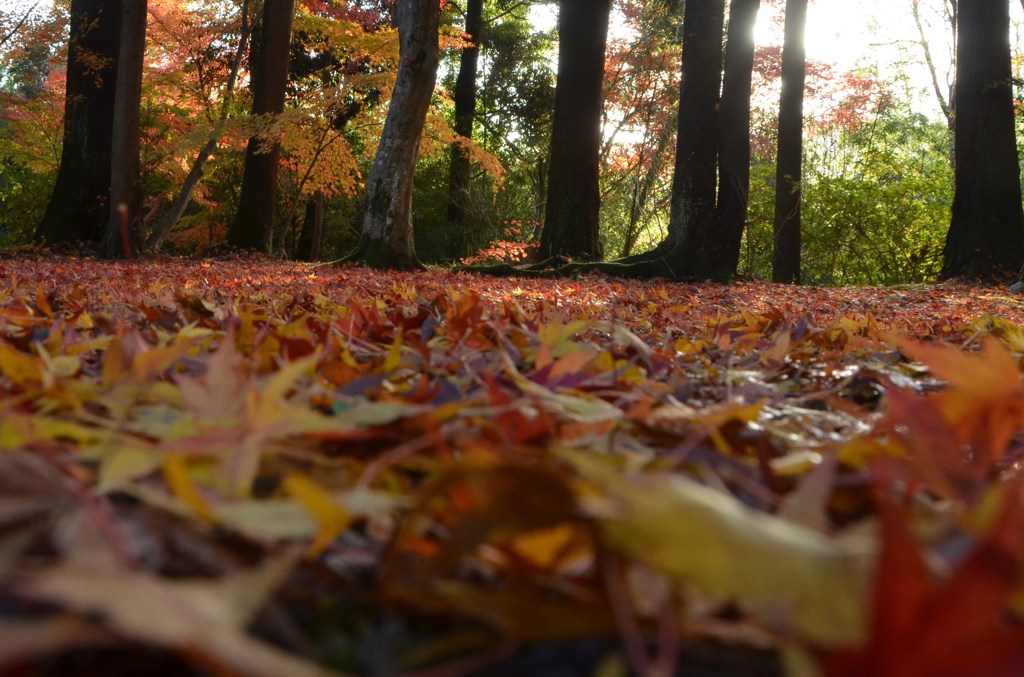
(986, 233)
(170, 218)
(125, 199)
(79, 205)
(786, 255)
(694, 182)
(253, 224)
(459, 174)
(734, 140)
(387, 237)
(571, 220)
(312, 236)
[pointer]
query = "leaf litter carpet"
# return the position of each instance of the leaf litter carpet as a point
(253, 467)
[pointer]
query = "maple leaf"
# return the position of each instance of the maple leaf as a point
(923, 625)
(985, 403)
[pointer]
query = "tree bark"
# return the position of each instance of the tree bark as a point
(786, 254)
(253, 224)
(734, 140)
(694, 183)
(78, 209)
(170, 218)
(986, 233)
(387, 236)
(119, 239)
(459, 173)
(571, 219)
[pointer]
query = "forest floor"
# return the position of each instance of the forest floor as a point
(252, 467)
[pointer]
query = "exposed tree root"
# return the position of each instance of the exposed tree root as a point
(643, 269)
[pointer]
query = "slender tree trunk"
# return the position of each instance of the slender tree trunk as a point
(79, 205)
(986, 233)
(694, 182)
(459, 174)
(21, 22)
(734, 143)
(312, 235)
(125, 199)
(170, 218)
(387, 237)
(786, 255)
(940, 96)
(571, 219)
(253, 224)
(643, 188)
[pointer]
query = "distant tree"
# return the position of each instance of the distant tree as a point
(125, 196)
(459, 174)
(183, 198)
(78, 209)
(571, 222)
(734, 140)
(387, 234)
(986, 233)
(786, 253)
(253, 224)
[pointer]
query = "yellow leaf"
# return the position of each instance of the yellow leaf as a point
(333, 519)
(21, 369)
(798, 578)
(547, 547)
(42, 302)
(179, 480)
(285, 379)
(394, 357)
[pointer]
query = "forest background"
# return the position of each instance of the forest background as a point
(877, 184)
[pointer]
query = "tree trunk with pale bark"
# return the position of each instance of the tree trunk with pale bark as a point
(387, 235)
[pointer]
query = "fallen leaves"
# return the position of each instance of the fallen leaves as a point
(260, 468)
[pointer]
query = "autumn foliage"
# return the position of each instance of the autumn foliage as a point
(252, 467)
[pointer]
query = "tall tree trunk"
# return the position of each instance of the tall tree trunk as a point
(125, 199)
(986, 233)
(788, 174)
(387, 237)
(459, 174)
(734, 140)
(571, 219)
(170, 218)
(79, 205)
(253, 224)
(694, 182)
